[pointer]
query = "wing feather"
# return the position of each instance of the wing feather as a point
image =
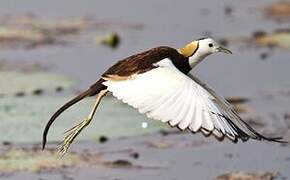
(166, 94)
(197, 120)
(175, 106)
(190, 116)
(183, 107)
(190, 113)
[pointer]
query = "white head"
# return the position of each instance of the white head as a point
(197, 50)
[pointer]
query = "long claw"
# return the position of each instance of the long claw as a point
(71, 134)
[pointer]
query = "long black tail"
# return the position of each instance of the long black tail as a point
(90, 92)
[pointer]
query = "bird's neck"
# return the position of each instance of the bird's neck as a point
(196, 58)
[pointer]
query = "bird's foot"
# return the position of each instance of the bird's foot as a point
(71, 134)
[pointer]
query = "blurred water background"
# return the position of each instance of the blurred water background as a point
(52, 50)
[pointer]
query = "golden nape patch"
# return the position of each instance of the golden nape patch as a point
(189, 49)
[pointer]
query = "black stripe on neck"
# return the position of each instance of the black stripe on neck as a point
(181, 63)
(197, 47)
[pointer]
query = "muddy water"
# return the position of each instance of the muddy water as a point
(174, 23)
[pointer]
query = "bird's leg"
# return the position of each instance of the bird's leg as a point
(72, 133)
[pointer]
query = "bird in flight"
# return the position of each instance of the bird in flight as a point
(157, 83)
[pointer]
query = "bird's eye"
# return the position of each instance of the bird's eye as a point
(210, 45)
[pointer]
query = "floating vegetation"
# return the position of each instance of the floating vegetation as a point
(34, 160)
(120, 163)
(238, 103)
(22, 83)
(280, 38)
(30, 31)
(24, 66)
(237, 99)
(63, 26)
(248, 176)
(103, 139)
(165, 144)
(111, 40)
(279, 11)
(15, 159)
(160, 145)
(134, 155)
(26, 38)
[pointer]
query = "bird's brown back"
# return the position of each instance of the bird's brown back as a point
(143, 61)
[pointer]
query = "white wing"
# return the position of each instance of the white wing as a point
(166, 94)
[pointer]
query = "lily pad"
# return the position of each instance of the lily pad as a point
(13, 83)
(23, 119)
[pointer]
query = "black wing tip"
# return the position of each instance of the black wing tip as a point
(260, 137)
(257, 136)
(274, 139)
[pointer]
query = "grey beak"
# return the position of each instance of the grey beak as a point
(224, 50)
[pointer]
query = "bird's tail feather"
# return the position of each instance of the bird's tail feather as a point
(90, 92)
